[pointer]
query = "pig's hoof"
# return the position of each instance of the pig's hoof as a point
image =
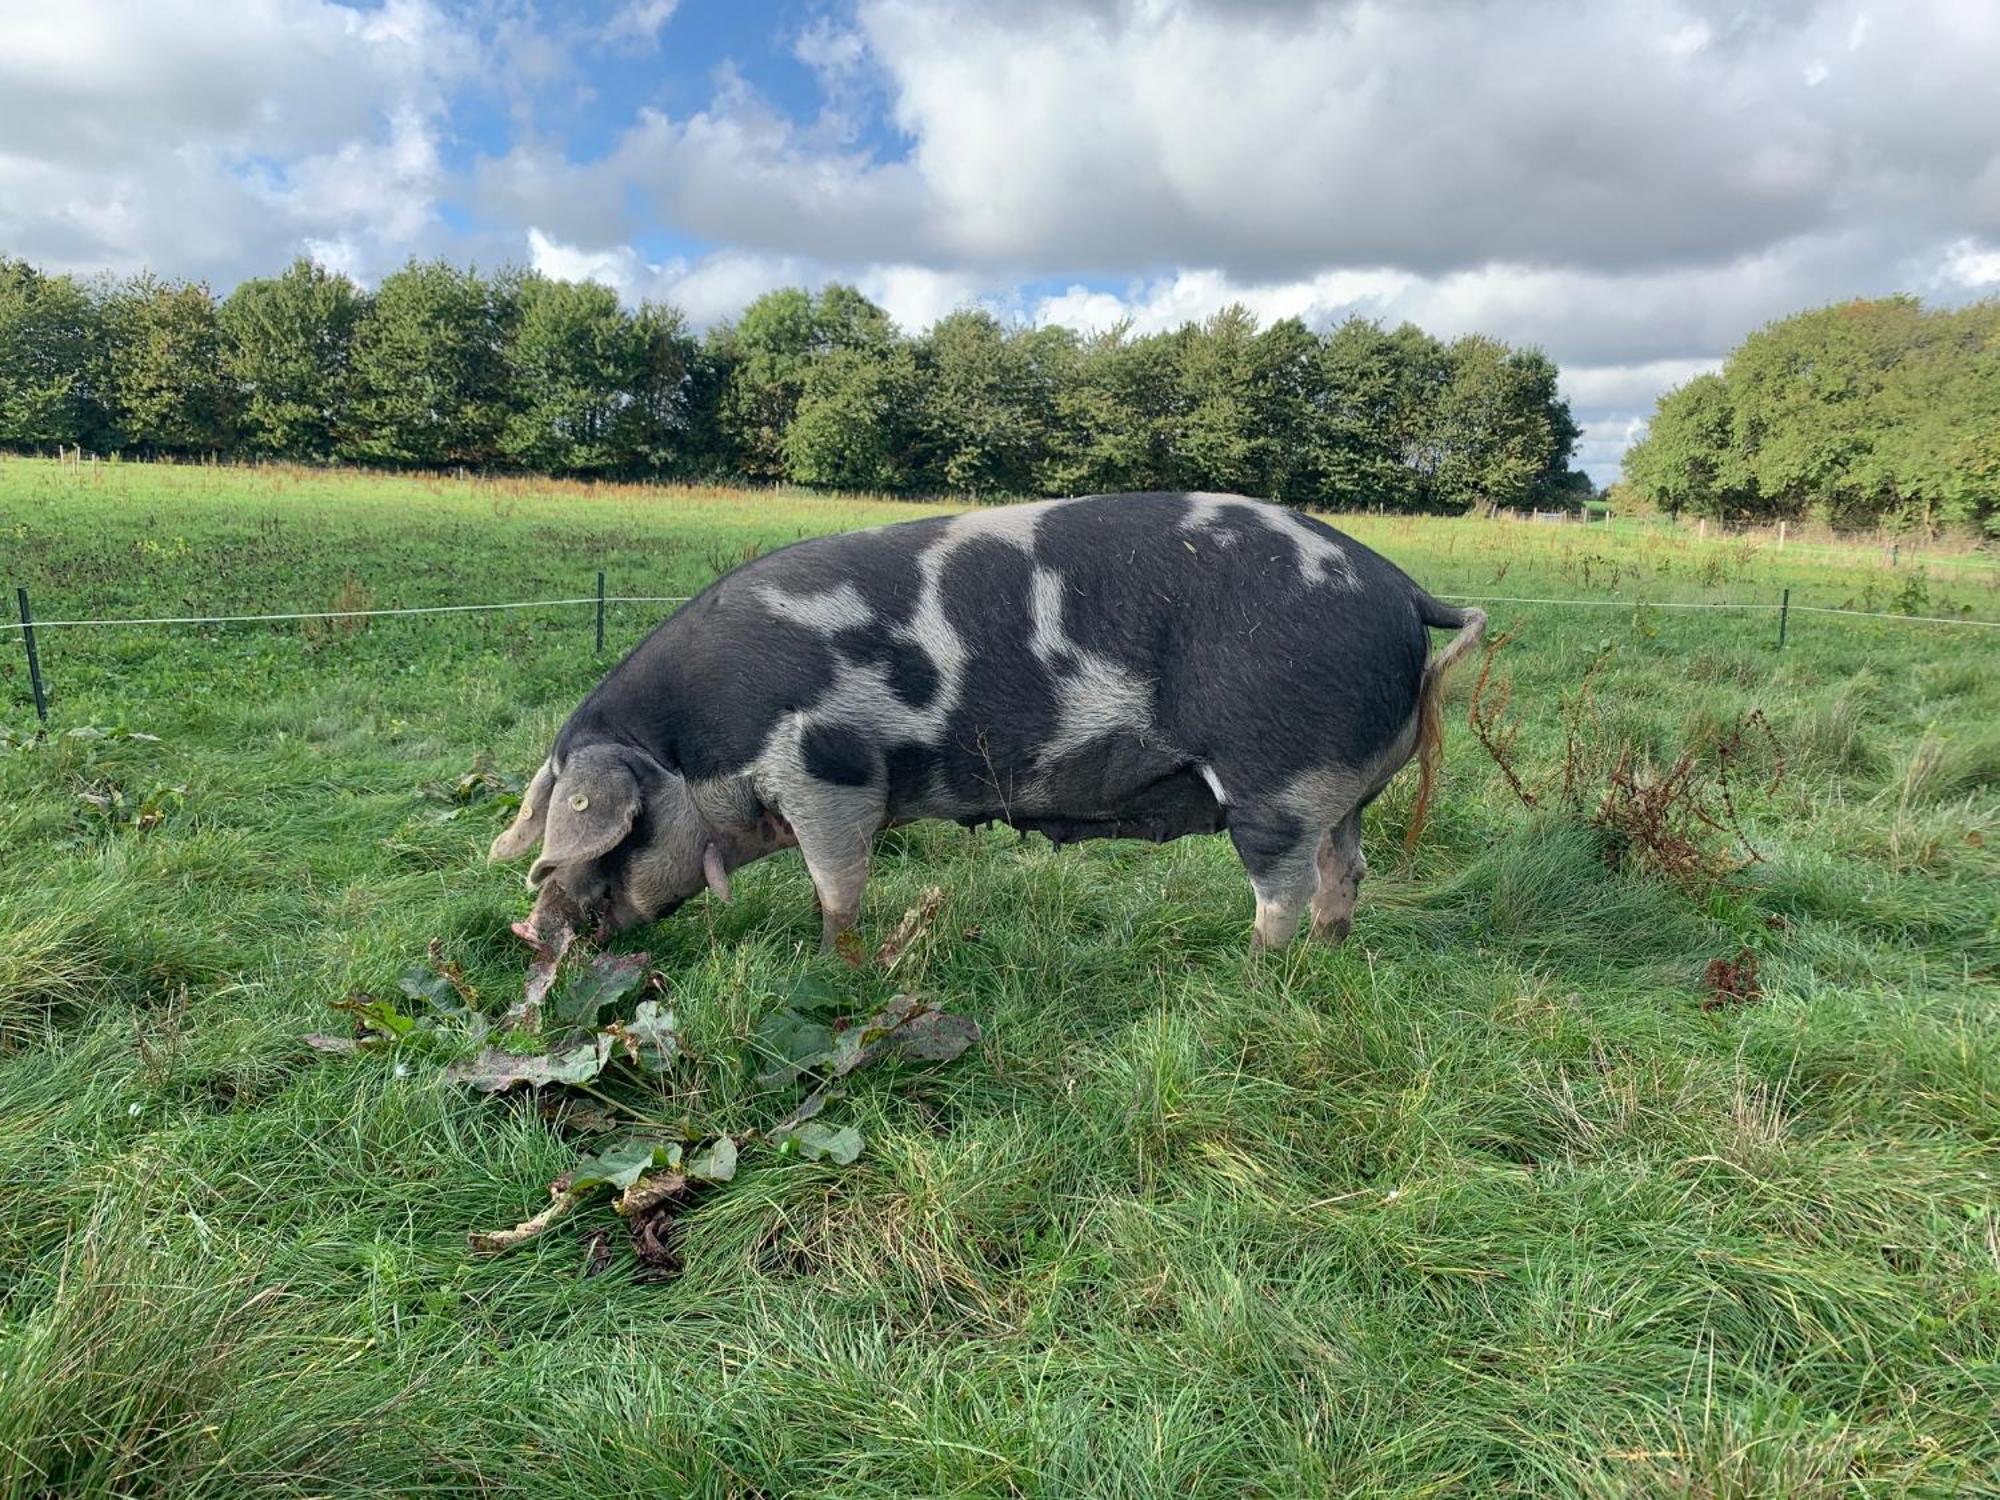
(1334, 933)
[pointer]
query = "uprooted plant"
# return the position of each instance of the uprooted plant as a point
(1679, 819)
(562, 1041)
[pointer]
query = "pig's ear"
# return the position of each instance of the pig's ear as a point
(714, 872)
(526, 828)
(594, 805)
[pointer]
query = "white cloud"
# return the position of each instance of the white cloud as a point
(1629, 387)
(1971, 264)
(638, 23)
(217, 140)
(1426, 137)
(916, 296)
(618, 267)
(719, 286)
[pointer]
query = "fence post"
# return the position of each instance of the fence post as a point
(1784, 617)
(600, 611)
(1781, 536)
(34, 657)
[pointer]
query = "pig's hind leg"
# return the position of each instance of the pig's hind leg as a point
(1341, 867)
(1277, 848)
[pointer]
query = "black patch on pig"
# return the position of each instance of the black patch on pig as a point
(911, 674)
(995, 737)
(1265, 839)
(1172, 807)
(836, 754)
(909, 770)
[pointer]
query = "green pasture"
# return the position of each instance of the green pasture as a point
(1500, 1198)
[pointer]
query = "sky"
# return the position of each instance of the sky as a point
(1631, 185)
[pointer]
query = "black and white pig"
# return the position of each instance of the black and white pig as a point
(1115, 666)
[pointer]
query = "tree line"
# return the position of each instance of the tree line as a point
(1861, 414)
(439, 366)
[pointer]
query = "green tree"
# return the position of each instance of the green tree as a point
(852, 428)
(1120, 408)
(288, 346)
(980, 424)
(1361, 439)
(768, 352)
(51, 356)
(1805, 393)
(1862, 413)
(430, 367)
(1209, 427)
(1686, 461)
(577, 364)
(1420, 428)
(1285, 395)
(1503, 435)
(168, 387)
(658, 428)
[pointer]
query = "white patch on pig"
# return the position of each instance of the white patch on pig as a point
(1321, 558)
(1214, 784)
(1094, 695)
(1205, 510)
(1097, 699)
(860, 693)
(837, 609)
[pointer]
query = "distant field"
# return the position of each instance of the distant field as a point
(1484, 1202)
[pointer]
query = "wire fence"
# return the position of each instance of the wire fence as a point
(349, 614)
(1759, 605)
(28, 627)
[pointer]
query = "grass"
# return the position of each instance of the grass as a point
(1483, 1202)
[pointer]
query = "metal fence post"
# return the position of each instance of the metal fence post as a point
(1784, 616)
(600, 610)
(34, 657)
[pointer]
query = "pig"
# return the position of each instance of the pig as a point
(1112, 666)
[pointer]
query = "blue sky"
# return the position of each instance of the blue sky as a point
(1632, 185)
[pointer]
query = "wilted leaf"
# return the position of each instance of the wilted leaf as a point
(596, 1253)
(607, 979)
(619, 1166)
(848, 947)
(494, 1241)
(650, 1191)
(809, 1106)
(653, 1242)
(933, 1035)
(319, 1041)
(816, 1142)
(434, 989)
(794, 1043)
(482, 783)
(648, 1038)
(493, 1070)
(812, 993)
(912, 1029)
(715, 1162)
(549, 930)
(907, 1027)
(914, 922)
(570, 1114)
